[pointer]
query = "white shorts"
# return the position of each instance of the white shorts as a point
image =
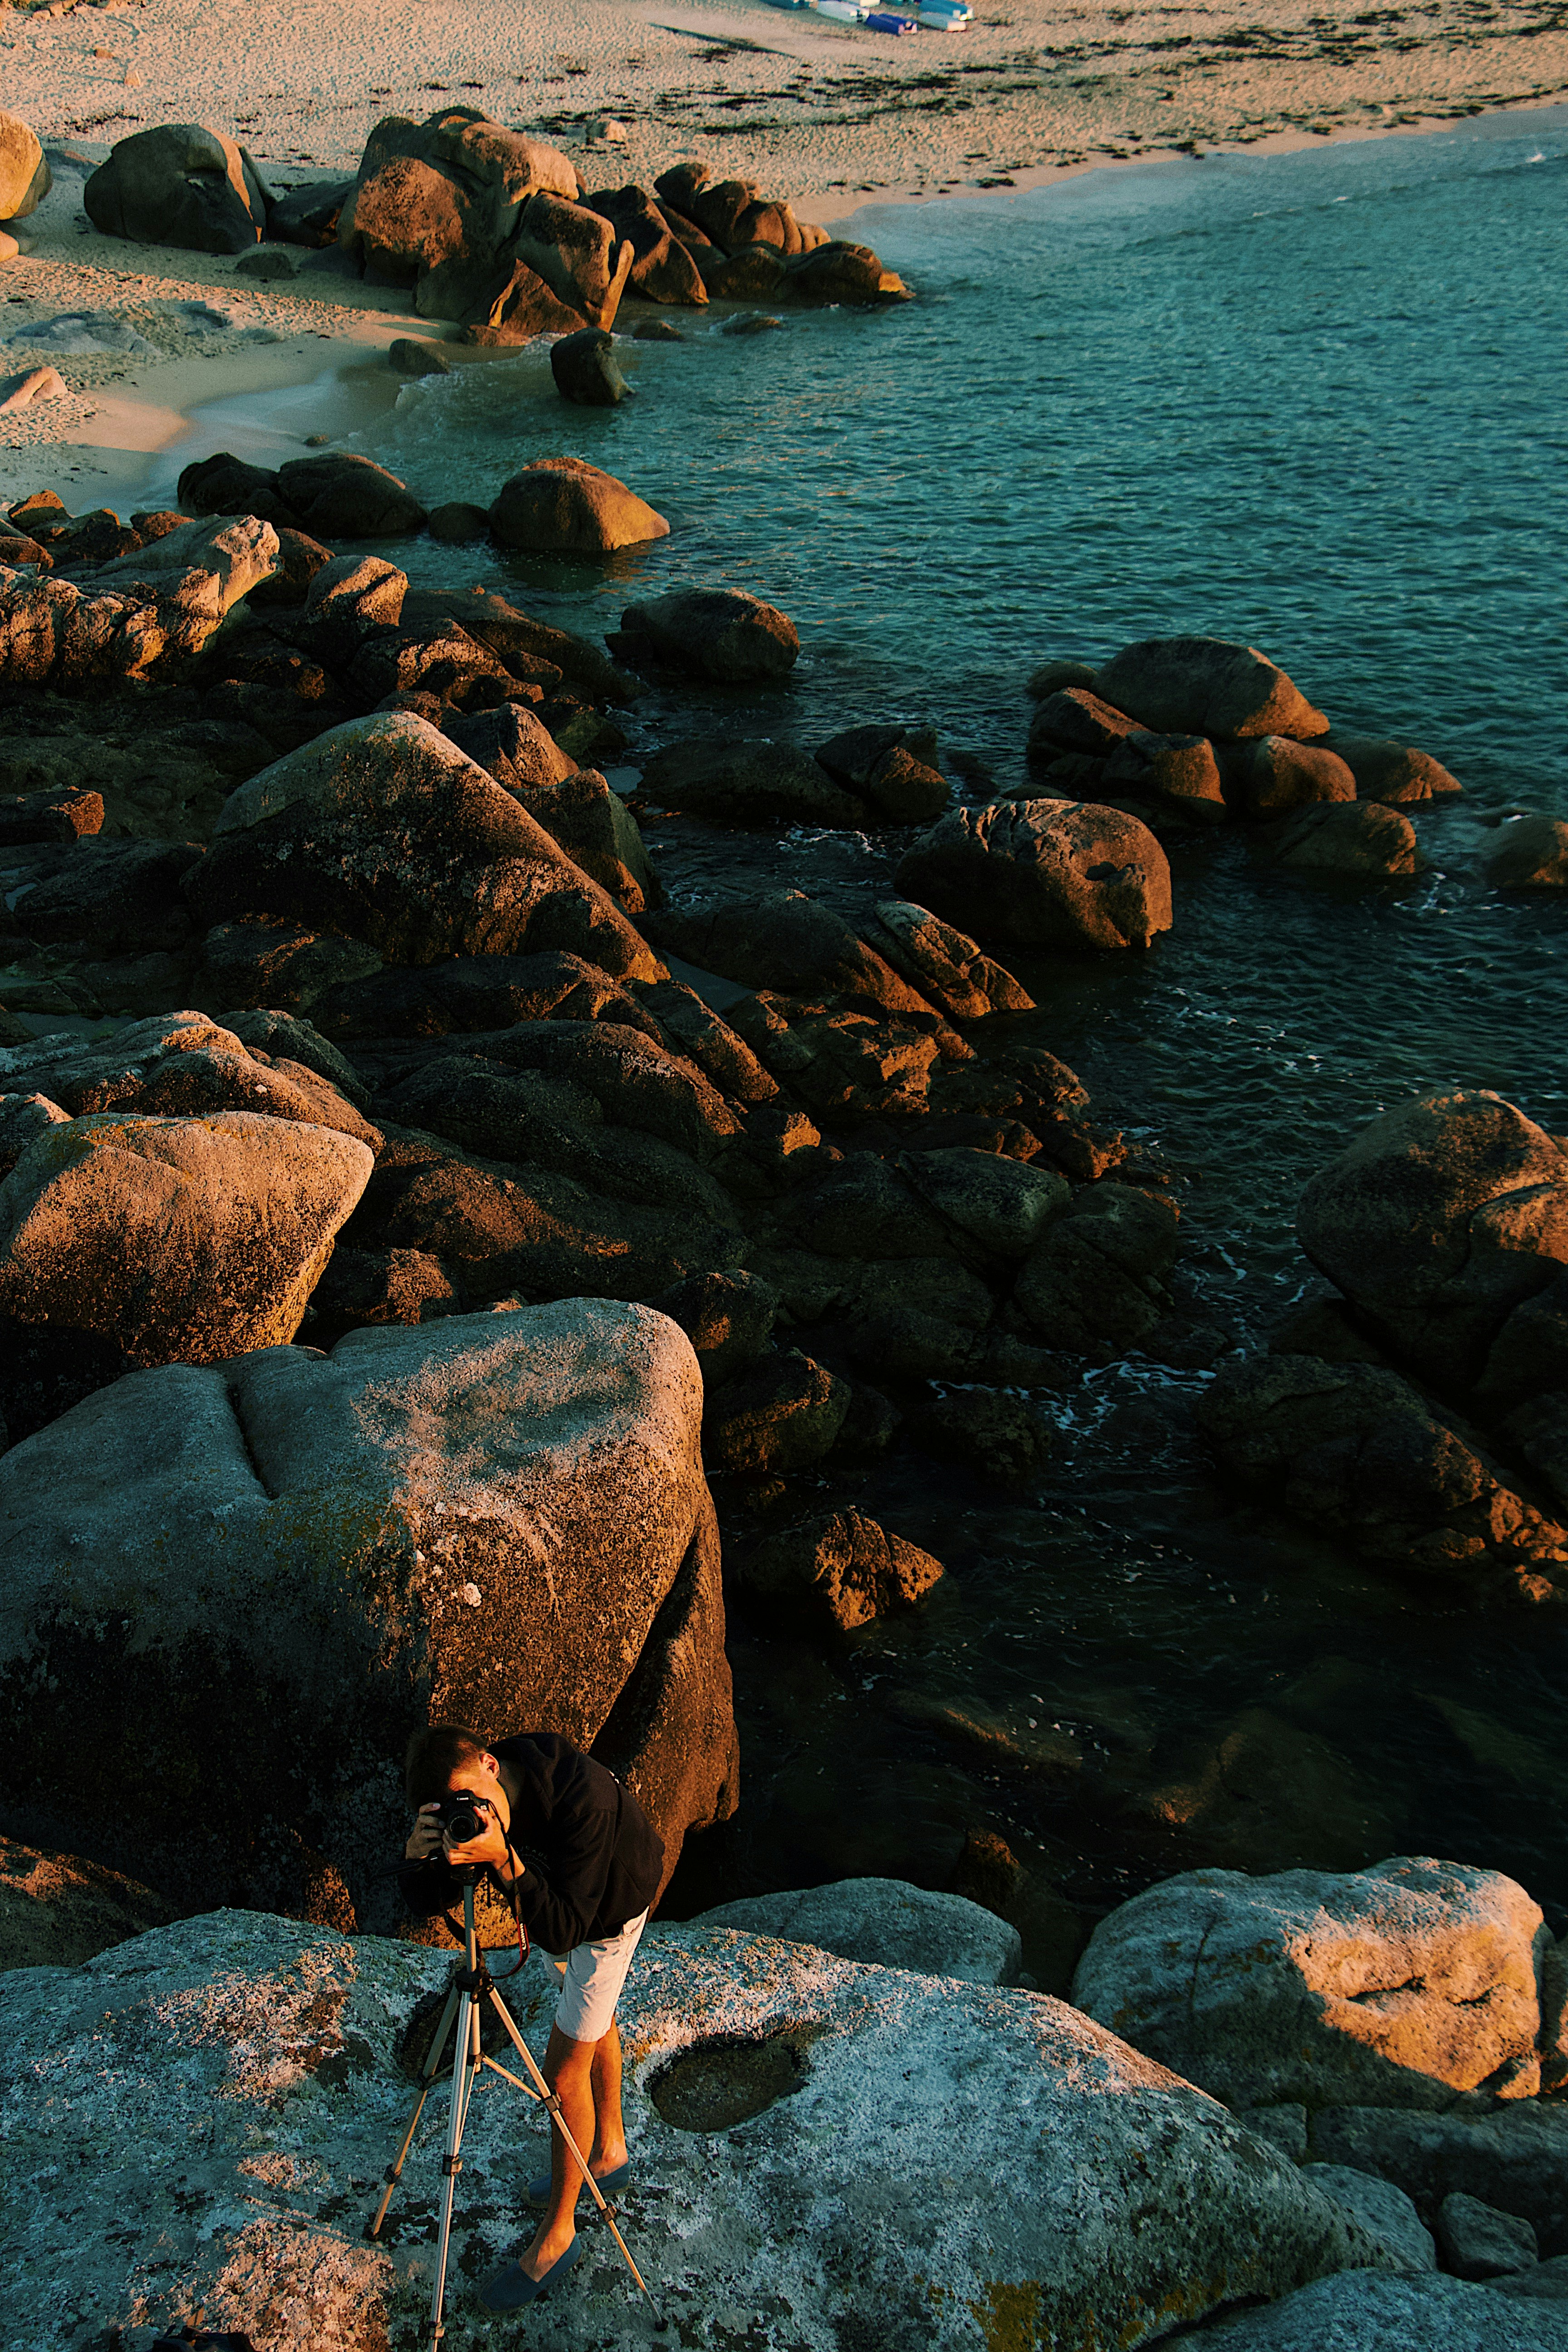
(592, 1976)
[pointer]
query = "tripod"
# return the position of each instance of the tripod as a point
(472, 1982)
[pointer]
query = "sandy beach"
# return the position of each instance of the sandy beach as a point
(829, 115)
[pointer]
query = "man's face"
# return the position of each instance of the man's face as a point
(480, 1777)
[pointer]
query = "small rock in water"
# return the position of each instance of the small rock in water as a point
(412, 355)
(317, 440)
(1532, 854)
(656, 330)
(457, 522)
(583, 366)
(754, 322)
(266, 262)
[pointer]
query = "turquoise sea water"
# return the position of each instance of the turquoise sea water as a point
(1313, 401)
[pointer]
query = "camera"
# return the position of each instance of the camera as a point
(463, 1815)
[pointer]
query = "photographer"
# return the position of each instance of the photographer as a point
(579, 1861)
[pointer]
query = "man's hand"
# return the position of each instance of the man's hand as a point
(489, 1847)
(425, 1838)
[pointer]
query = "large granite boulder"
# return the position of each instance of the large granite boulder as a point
(1061, 875)
(1513, 2156)
(497, 1519)
(187, 1239)
(580, 255)
(1205, 685)
(25, 177)
(879, 2111)
(1531, 854)
(238, 551)
(181, 185)
(383, 830)
(436, 204)
(563, 506)
(745, 782)
(1397, 1986)
(1442, 1217)
(884, 1923)
(662, 270)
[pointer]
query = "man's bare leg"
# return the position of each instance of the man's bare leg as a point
(609, 2149)
(569, 2070)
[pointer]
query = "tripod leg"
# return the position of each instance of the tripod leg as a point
(431, 2069)
(552, 2102)
(465, 2074)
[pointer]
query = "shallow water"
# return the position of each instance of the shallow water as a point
(1313, 401)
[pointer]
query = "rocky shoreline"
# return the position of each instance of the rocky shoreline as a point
(449, 1217)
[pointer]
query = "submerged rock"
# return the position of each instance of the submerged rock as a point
(496, 1519)
(1397, 1986)
(1532, 854)
(584, 370)
(1363, 840)
(1359, 2312)
(268, 2054)
(1359, 1452)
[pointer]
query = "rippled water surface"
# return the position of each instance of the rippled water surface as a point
(1313, 401)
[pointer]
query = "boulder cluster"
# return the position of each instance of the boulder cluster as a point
(1419, 1410)
(419, 1047)
(1199, 731)
(485, 225)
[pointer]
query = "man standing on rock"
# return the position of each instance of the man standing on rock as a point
(579, 1861)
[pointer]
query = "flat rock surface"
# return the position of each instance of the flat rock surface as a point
(202, 2118)
(1367, 2314)
(886, 1923)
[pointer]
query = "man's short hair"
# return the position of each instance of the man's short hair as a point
(434, 1754)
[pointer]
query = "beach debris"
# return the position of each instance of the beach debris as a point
(19, 392)
(562, 506)
(179, 184)
(25, 177)
(584, 370)
(605, 128)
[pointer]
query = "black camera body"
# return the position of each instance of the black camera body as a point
(463, 1816)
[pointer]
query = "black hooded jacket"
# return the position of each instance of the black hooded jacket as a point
(591, 1859)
